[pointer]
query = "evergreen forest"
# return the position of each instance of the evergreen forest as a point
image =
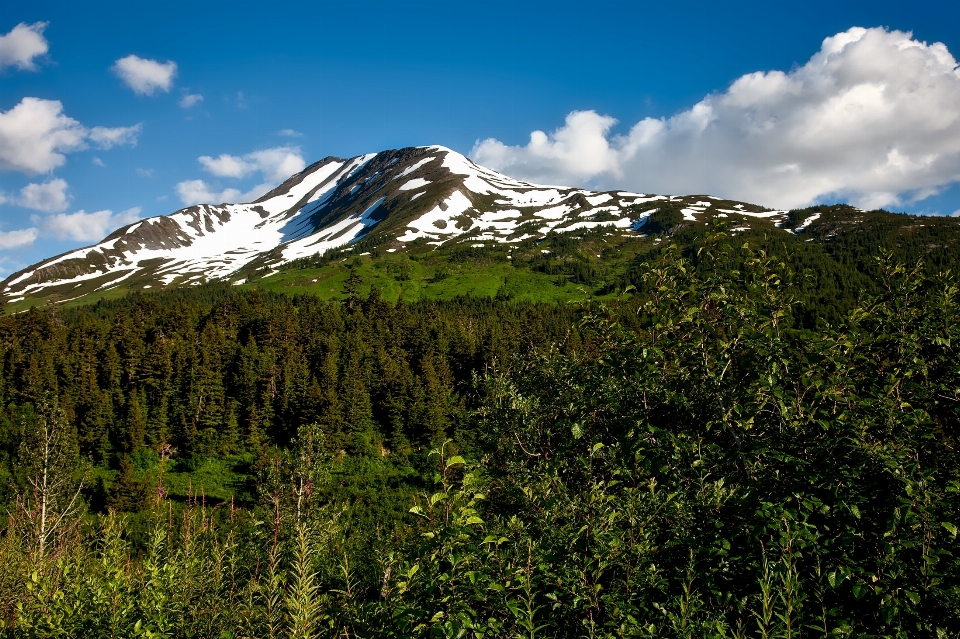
(731, 436)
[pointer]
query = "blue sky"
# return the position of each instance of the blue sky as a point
(301, 81)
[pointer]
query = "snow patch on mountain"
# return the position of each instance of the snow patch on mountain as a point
(334, 236)
(436, 221)
(413, 184)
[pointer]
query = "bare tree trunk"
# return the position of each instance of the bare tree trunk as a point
(54, 500)
(44, 488)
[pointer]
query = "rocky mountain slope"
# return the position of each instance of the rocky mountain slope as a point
(398, 199)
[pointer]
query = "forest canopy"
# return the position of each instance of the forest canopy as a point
(709, 455)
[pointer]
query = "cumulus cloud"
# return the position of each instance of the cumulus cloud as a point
(24, 43)
(35, 135)
(289, 133)
(276, 164)
(273, 165)
(144, 76)
(47, 197)
(199, 192)
(872, 117)
(190, 100)
(279, 163)
(575, 153)
(227, 166)
(88, 227)
(16, 239)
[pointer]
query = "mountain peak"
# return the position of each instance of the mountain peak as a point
(428, 194)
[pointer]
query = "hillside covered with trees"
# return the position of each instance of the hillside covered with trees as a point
(734, 436)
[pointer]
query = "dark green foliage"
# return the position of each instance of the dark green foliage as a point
(667, 219)
(221, 372)
(562, 255)
(128, 494)
(716, 470)
(721, 453)
(488, 254)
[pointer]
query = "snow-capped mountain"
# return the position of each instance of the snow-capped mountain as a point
(423, 194)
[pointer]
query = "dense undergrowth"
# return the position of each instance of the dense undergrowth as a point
(692, 463)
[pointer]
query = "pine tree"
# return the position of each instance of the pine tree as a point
(135, 428)
(127, 494)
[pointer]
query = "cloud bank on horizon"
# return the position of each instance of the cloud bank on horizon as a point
(872, 118)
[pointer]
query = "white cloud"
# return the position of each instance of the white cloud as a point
(47, 197)
(289, 133)
(872, 117)
(190, 100)
(35, 134)
(15, 239)
(199, 192)
(24, 43)
(274, 166)
(105, 137)
(145, 76)
(574, 153)
(277, 164)
(227, 165)
(147, 173)
(97, 161)
(88, 227)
